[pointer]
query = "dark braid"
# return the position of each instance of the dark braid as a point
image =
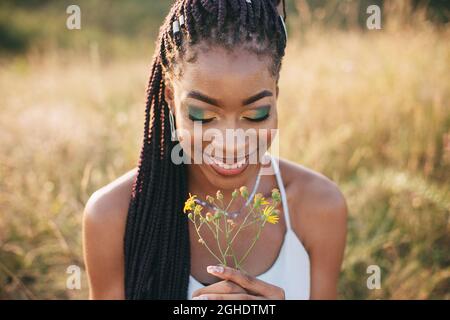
(156, 244)
(222, 11)
(243, 17)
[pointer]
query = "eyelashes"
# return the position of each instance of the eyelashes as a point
(194, 119)
(246, 118)
(197, 114)
(258, 119)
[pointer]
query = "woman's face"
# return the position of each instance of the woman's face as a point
(226, 114)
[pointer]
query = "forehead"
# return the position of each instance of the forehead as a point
(223, 73)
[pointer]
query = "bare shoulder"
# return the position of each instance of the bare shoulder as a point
(109, 204)
(104, 223)
(316, 202)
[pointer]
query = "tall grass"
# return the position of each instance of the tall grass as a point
(372, 112)
(369, 110)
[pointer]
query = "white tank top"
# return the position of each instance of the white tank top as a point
(291, 269)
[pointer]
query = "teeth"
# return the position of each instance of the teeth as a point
(229, 166)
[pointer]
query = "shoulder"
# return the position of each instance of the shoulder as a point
(109, 204)
(316, 203)
(104, 223)
(308, 187)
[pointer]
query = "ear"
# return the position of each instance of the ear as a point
(281, 7)
(168, 95)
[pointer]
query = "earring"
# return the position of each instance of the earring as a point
(284, 27)
(173, 132)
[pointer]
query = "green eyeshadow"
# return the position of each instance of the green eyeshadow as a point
(258, 114)
(196, 113)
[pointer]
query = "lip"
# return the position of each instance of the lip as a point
(228, 171)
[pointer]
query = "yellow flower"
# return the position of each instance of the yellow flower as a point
(273, 219)
(268, 211)
(190, 203)
(259, 200)
(271, 215)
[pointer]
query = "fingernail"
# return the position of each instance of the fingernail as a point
(200, 298)
(215, 269)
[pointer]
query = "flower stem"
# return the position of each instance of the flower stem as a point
(218, 242)
(253, 244)
(204, 243)
(240, 227)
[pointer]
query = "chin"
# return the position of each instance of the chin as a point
(228, 175)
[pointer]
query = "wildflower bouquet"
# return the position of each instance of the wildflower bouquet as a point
(222, 225)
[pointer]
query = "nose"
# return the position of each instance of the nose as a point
(233, 144)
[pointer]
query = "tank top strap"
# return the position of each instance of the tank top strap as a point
(284, 201)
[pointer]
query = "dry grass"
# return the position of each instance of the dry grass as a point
(370, 110)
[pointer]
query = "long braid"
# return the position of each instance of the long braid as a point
(156, 243)
(243, 16)
(222, 11)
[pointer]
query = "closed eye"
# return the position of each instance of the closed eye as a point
(200, 115)
(192, 118)
(257, 119)
(258, 114)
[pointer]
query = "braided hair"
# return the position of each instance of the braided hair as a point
(156, 242)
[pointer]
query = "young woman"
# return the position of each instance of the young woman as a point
(217, 65)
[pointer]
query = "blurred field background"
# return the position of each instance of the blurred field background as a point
(369, 109)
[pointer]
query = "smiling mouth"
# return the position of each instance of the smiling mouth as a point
(228, 169)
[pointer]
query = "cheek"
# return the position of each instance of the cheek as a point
(266, 134)
(265, 138)
(185, 133)
(189, 135)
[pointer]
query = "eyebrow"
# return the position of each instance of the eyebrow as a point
(204, 98)
(256, 97)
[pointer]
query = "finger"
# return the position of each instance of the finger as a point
(222, 287)
(246, 281)
(236, 296)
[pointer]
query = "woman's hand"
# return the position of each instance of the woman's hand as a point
(237, 286)
(221, 287)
